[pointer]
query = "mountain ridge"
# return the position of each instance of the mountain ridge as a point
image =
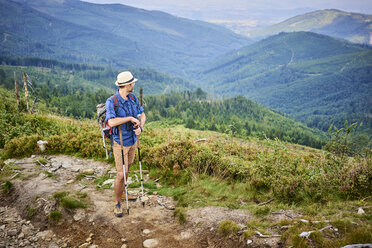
(118, 35)
(355, 27)
(298, 73)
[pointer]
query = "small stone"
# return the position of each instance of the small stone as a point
(124, 246)
(150, 243)
(70, 181)
(34, 239)
(88, 171)
(21, 235)
(85, 245)
(154, 193)
(249, 241)
(123, 240)
(146, 231)
(53, 245)
(2, 227)
(93, 246)
(108, 181)
(80, 214)
(33, 156)
(185, 235)
(12, 232)
(26, 230)
(88, 240)
(64, 245)
(361, 211)
(91, 235)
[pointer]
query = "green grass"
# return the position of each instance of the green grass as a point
(49, 174)
(7, 187)
(55, 216)
(69, 202)
(180, 214)
(228, 227)
(72, 203)
(31, 212)
(60, 195)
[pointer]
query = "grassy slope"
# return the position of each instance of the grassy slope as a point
(222, 171)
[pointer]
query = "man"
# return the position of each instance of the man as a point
(125, 114)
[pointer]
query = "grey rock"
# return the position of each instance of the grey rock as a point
(12, 232)
(150, 243)
(26, 230)
(85, 245)
(146, 231)
(53, 245)
(80, 214)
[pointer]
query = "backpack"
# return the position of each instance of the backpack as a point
(106, 130)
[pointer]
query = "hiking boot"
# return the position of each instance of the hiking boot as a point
(118, 211)
(130, 197)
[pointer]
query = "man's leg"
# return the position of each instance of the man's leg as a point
(119, 180)
(129, 155)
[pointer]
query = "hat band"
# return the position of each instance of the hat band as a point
(126, 81)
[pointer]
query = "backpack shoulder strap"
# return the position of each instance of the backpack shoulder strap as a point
(116, 103)
(134, 98)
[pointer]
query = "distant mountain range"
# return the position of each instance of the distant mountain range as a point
(313, 77)
(115, 34)
(354, 27)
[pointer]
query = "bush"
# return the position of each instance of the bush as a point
(55, 216)
(21, 147)
(228, 227)
(7, 187)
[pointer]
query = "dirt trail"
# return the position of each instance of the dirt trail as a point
(96, 226)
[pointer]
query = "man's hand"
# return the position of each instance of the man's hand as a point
(135, 122)
(138, 131)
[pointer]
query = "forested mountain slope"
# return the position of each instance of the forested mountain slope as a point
(112, 34)
(315, 78)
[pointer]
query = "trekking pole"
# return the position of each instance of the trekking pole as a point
(139, 161)
(125, 179)
(103, 139)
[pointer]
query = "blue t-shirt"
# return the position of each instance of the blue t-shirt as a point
(126, 108)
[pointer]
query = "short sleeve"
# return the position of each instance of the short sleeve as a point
(110, 111)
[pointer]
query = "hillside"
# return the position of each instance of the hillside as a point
(225, 192)
(312, 77)
(110, 34)
(354, 27)
(73, 89)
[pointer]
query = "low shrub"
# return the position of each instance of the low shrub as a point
(55, 216)
(228, 227)
(7, 187)
(180, 214)
(31, 212)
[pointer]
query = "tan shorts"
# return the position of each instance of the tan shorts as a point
(129, 154)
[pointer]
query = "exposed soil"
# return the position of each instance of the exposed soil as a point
(96, 225)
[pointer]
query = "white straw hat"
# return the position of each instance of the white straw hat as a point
(125, 78)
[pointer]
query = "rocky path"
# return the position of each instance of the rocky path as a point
(25, 211)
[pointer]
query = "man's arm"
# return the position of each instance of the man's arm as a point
(113, 122)
(142, 120)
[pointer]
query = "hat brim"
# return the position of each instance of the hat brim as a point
(122, 84)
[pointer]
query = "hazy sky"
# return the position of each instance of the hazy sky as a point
(249, 14)
(361, 6)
